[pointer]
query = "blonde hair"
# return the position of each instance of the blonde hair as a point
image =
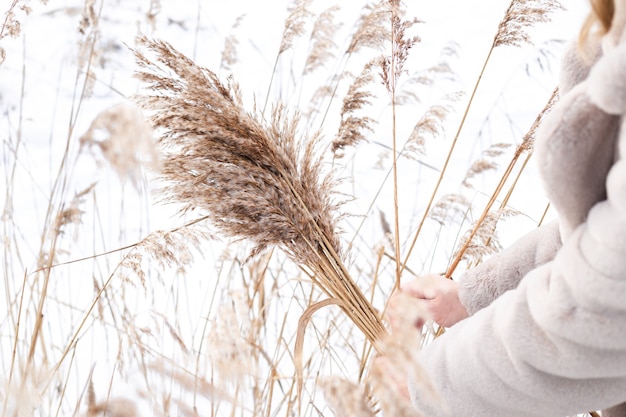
(602, 12)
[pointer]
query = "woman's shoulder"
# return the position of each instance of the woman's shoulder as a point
(607, 81)
(576, 63)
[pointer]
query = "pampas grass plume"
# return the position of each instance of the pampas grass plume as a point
(521, 15)
(256, 180)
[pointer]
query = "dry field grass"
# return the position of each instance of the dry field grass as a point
(190, 233)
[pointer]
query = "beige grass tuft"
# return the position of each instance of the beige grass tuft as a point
(353, 128)
(229, 53)
(124, 140)
(346, 398)
(430, 125)
(256, 180)
(322, 40)
(392, 67)
(450, 208)
(20, 397)
(111, 407)
(294, 24)
(522, 15)
(228, 347)
(486, 162)
(482, 240)
(372, 29)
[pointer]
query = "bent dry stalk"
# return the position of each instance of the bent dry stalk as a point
(256, 179)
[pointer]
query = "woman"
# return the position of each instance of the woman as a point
(545, 333)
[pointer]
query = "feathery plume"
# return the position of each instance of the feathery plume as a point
(431, 124)
(485, 240)
(450, 208)
(167, 249)
(111, 407)
(525, 146)
(89, 18)
(528, 142)
(521, 15)
(11, 26)
(345, 398)
(486, 162)
(153, 12)
(229, 53)
(124, 139)
(256, 180)
(20, 397)
(384, 379)
(72, 214)
(294, 24)
(321, 93)
(393, 66)
(114, 407)
(372, 29)
(228, 348)
(322, 38)
(352, 127)
(433, 75)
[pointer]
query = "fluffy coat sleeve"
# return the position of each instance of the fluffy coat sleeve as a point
(492, 278)
(556, 344)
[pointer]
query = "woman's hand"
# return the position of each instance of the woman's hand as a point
(428, 297)
(441, 297)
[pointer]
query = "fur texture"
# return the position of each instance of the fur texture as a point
(556, 343)
(486, 282)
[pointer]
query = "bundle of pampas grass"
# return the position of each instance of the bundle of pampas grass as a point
(255, 179)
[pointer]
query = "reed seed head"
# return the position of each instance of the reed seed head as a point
(521, 15)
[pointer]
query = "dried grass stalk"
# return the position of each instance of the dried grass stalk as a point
(124, 139)
(389, 374)
(430, 125)
(486, 162)
(483, 241)
(373, 29)
(520, 16)
(525, 146)
(322, 40)
(294, 24)
(228, 345)
(256, 180)
(229, 53)
(345, 398)
(353, 127)
(450, 208)
(393, 66)
(111, 407)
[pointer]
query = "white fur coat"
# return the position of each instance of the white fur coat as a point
(547, 335)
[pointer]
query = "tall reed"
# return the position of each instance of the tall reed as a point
(256, 180)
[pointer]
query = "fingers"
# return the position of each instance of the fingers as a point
(436, 295)
(426, 287)
(406, 312)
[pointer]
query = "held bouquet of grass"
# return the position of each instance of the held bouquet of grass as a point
(254, 179)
